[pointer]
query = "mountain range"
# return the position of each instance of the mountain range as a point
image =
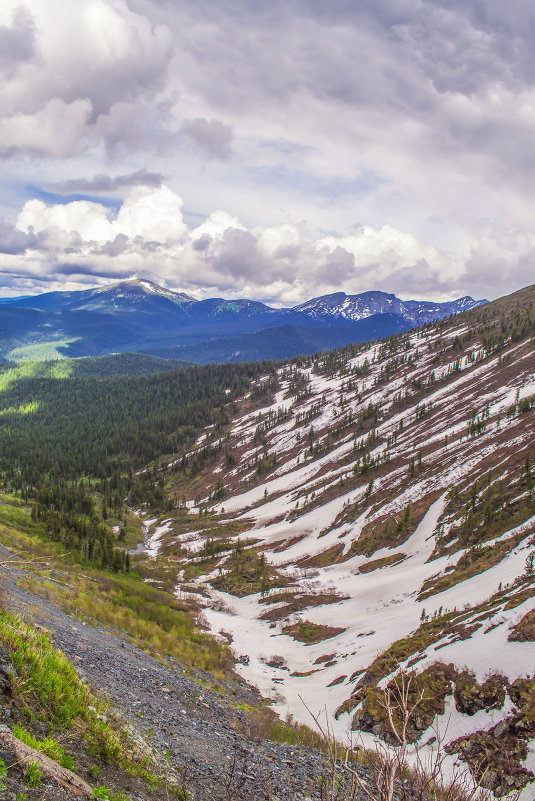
(140, 316)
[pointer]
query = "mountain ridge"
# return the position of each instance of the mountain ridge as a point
(137, 289)
(139, 315)
(356, 307)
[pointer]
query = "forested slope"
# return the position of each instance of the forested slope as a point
(69, 427)
(373, 507)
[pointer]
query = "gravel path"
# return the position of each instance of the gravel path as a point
(203, 732)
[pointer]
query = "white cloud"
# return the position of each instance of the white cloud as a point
(415, 117)
(147, 214)
(153, 214)
(89, 220)
(285, 264)
(55, 129)
(215, 225)
(87, 57)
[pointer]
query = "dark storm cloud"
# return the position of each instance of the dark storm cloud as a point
(108, 183)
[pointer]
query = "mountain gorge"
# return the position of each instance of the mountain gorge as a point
(141, 316)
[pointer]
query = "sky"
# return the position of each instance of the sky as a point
(276, 151)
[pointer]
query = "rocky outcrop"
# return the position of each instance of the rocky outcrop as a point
(495, 756)
(471, 697)
(433, 685)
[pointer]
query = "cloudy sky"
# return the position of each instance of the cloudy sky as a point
(275, 150)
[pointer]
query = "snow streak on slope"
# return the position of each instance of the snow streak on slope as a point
(387, 487)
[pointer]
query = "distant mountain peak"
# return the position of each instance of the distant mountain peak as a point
(339, 306)
(139, 315)
(143, 286)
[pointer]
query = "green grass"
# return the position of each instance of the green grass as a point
(48, 693)
(377, 564)
(265, 725)
(309, 633)
(152, 617)
(109, 795)
(49, 746)
(33, 776)
(18, 517)
(48, 687)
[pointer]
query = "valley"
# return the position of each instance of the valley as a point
(267, 401)
(310, 526)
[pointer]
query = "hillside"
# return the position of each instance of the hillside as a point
(370, 507)
(140, 316)
(329, 519)
(286, 341)
(120, 364)
(114, 735)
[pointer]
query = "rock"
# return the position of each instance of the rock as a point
(362, 721)
(471, 697)
(377, 729)
(7, 673)
(501, 729)
(7, 750)
(490, 780)
(26, 756)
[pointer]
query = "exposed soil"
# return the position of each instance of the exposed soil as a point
(297, 603)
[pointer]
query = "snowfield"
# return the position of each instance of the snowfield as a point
(406, 425)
